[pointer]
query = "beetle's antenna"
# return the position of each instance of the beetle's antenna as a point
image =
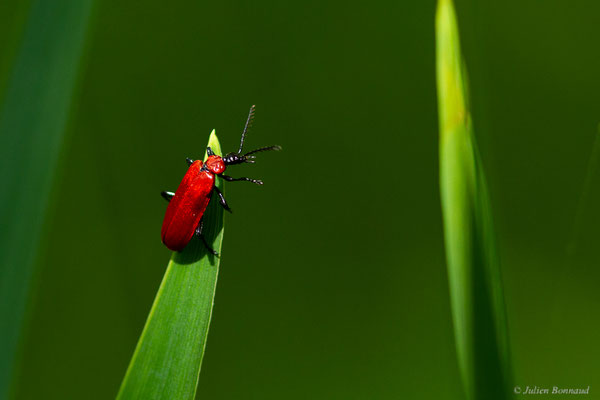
(268, 148)
(246, 127)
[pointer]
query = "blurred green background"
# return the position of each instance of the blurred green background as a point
(333, 279)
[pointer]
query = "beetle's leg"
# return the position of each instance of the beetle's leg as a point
(221, 199)
(230, 179)
(167, 195)
(209, 151)
(199, 234)
(189, 161)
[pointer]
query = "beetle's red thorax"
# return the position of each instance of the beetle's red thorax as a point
(215, 164)
(187, 206)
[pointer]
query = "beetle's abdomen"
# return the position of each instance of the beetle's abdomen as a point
(187, 207)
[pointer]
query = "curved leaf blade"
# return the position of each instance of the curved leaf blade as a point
(476, 297)
(167, 360)
(33, 119)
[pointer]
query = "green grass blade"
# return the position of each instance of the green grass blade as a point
(167, 359)
(473, 270)
(33, 119)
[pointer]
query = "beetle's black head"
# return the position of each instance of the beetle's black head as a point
(239, 158)
(235, 158)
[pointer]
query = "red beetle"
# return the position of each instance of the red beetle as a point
(186, 207)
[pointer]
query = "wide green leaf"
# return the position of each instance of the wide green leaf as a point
(167, 359)
(473, 270)
(33, 119)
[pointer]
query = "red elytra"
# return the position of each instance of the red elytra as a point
(187, 205)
